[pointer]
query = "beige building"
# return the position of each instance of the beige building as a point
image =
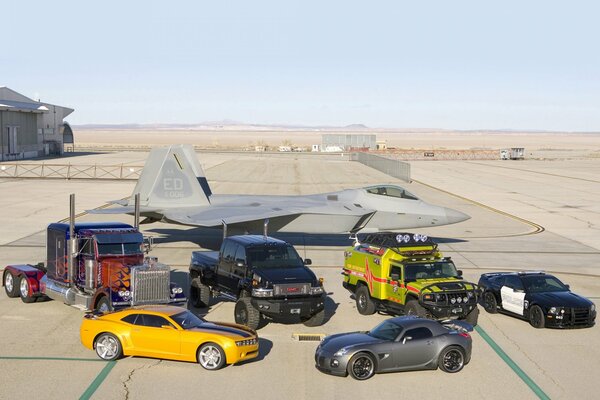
(30, 128)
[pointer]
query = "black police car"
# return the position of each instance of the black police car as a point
(540, 298)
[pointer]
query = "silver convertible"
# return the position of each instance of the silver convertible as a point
(397, 344)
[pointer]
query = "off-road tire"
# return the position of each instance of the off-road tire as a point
(536, 317)
(24, 290)
(414, 308)
(108, 347)
(452, 359)
(473, 316)
(10, 284)
(361, 366)
(490, 304)
(246, 314)
(200, 295)
(364, 303)
(316, 319)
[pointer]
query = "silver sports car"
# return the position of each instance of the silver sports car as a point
(397, 344)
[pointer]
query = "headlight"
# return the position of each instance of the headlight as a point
(316, 290)
(262, 292)
(459, 299)
(453, 300)
(247, 342)
(593, 307)
(176, 290)
(124, 293)
(342, 351)
(552, 310)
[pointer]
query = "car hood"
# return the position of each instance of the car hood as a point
(223, 329)
(286, 275)
(334, 343)
(560, 299)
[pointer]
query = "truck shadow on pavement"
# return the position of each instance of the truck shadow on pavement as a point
(209, 238)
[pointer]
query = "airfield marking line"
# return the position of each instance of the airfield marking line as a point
(517, 370)
(538, 228)
(98, 381)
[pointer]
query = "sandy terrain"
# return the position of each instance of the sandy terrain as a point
(537, 145)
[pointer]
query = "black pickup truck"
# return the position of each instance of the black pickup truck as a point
(263, 275)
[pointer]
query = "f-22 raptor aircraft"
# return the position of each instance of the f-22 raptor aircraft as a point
(173, 188)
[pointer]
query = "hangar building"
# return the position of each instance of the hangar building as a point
(30, 128)
(349, 142)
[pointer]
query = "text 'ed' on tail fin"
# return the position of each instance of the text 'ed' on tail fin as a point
(172, 177)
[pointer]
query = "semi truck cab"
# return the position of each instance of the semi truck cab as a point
(110, 269)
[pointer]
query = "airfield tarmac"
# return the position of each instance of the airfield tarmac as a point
(525, 215)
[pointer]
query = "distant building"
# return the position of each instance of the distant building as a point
(348, 142)
(30, 128)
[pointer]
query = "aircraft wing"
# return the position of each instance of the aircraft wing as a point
(214, 216)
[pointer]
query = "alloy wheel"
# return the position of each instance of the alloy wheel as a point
(453, 360)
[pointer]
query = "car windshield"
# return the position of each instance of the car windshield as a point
(541, 283)
(387, 330)
(119, 248)
(188, 320)
(435, 270)
(284, 256)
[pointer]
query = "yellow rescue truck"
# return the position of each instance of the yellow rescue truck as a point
(405, 273)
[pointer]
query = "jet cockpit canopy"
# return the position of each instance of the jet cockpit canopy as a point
(391, 191)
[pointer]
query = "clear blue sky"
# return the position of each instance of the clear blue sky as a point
(407, 64)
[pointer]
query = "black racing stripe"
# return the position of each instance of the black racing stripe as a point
(218, 328)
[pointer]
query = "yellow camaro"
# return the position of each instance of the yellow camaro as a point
(168, 332)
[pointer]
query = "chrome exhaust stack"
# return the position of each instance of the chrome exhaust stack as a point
(72, 246)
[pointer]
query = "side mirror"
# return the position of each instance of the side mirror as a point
(460, 272)
(568, 286)
(406, 339)
(395, 276)
(307, 261)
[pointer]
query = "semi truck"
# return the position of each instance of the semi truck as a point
(264, 276)
(94, 266)
(404, 273)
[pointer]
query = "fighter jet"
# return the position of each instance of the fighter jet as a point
(173, 188)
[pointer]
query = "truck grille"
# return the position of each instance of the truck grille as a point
(150, 284)
(291, 289)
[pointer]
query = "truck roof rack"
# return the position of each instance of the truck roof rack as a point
(396, 241)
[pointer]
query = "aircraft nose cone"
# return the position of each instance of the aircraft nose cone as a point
(454, 216)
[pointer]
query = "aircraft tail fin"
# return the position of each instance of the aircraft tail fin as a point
(172, 177)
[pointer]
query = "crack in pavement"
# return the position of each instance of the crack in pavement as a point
(133, 371)
(539, 367)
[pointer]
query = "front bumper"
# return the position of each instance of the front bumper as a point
(290, 306)
(449, 312)
(236, 354)
(330, 364)
(572, 318)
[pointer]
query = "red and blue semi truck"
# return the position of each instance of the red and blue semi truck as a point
(94, 266)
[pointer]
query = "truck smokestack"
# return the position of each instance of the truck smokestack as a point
(72, 243)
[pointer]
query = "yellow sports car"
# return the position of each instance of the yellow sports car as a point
(168, 332)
